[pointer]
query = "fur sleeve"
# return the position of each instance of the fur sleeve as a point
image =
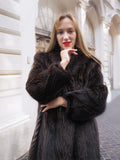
(46, 80)
(86, 103)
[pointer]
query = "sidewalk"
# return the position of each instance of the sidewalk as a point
(109, 129)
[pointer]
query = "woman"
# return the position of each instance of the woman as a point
(68, 84)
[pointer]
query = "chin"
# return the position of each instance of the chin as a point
(69, 47)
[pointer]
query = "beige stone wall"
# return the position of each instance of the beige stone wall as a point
(16, 126)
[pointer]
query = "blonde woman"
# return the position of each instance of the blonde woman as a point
(68, 84)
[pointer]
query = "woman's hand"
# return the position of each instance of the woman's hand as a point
(59, 101)
(66, 55)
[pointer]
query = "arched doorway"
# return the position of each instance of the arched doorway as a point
(114, 39)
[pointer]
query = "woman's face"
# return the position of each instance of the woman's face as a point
(66, 34)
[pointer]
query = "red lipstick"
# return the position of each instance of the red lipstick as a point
(66, 43)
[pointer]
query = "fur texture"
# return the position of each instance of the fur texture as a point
(67, 134)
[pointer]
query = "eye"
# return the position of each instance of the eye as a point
(70, 31)
(60, 32)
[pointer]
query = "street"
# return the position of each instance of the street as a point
(109, 131)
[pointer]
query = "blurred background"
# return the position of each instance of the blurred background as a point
(25, 27)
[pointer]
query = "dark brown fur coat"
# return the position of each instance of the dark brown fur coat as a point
(67, 134)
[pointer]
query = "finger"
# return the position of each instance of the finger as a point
(44, 110)
(75, 53)
(72, 50)
(43, 105)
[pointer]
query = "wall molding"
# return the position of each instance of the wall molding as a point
(10, 72)
(10, 31)
(42, 32)
(10, 51)
(9, 14)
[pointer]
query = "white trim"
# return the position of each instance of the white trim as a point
(9, 31)
(10, 51)
(10, 72)
(9, 14)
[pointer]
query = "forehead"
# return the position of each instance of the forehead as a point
(65, 23)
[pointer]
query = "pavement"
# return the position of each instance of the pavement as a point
(109, 129)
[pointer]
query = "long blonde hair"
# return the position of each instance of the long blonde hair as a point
(80, 43)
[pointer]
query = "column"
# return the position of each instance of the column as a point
(81, 14)
(105, 54)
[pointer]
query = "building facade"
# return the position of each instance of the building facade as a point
(25, 27)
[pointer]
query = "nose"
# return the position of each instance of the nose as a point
(65, 36)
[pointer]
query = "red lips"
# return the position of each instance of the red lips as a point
(66, 43)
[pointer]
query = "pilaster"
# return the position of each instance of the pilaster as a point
(105, 27)
(81, 13)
